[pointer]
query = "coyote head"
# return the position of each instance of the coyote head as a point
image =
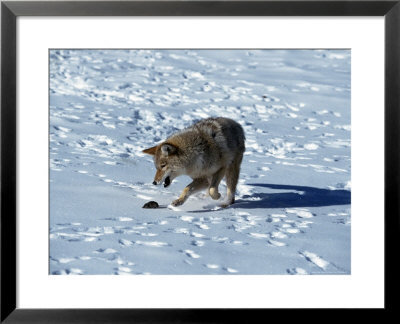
(166, 161)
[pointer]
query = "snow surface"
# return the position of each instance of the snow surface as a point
(292, 211)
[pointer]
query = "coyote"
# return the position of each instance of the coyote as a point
(207, 151)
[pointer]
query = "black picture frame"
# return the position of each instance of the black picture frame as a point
(10, 10)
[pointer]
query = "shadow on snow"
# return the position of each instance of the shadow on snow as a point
(296, 196)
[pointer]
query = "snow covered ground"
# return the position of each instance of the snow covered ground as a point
(292, 214)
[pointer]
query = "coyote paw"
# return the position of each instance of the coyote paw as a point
(177, 202)
(214, 193)
(227, 204)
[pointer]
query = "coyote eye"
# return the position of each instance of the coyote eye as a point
(163, 166)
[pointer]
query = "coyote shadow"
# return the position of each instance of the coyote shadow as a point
(298, 196)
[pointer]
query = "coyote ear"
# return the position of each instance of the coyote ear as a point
(168, 149)
(151, 150)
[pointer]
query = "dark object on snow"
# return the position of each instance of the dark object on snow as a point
(151, 204)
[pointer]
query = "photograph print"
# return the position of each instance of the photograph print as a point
(199, 162)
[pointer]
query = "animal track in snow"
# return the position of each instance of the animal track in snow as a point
(124, 242)
(156, 244)
(198, 243)
(315, 259)
(259, 235)
(278, 235)
(128, 243)
(106, 251)
(230, 270)
(63, 260)
(292, 230)
(276, 243)
(69, 271)
(297, 271)
(123, 270)
(191, 253)
(119, 219)
(302, 213)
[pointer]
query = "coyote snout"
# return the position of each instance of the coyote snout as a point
(207, 152)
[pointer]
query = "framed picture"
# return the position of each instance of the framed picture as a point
(271, 126)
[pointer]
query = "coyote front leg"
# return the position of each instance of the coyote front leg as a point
(194, 186)
(214, 183)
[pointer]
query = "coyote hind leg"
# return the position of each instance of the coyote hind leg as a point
(191, 188)
(232, 177)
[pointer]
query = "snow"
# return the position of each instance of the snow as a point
(292, 211)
